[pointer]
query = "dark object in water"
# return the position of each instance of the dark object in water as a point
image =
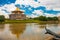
(56, 36)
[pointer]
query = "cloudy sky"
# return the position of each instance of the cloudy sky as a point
(32, 8)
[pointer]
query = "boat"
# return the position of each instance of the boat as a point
(55, 35)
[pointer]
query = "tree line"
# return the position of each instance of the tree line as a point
(44, 18)
(2, 18)
(41, 18)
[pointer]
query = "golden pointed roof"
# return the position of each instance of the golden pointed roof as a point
(17, 9)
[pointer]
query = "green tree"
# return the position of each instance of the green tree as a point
(43, 18)
(52, 19)
(2, 18)
(55, 18)
(49, 18)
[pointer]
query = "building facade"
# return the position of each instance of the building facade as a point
(17, 15)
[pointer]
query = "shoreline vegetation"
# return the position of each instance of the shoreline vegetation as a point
(40, 19)
(30, 21)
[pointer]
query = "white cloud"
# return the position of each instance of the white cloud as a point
(58, 14)
(49, 4)
(56, 9)
(49, 15)
(36, 13)
(7, 7)
(32, 16)
(27, 2)
(3, 13)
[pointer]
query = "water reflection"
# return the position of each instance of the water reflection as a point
(27, 31)
(1, 27)
(17, 29)
(32, 32)
(42, 26)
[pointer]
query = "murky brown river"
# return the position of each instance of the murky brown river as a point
(27, 31)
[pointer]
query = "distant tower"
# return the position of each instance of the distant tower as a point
(17, 15)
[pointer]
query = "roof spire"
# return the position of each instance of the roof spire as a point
(17, 9)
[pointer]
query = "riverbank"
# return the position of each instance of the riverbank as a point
(21, 21)
(30, 21)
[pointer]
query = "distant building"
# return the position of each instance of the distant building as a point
(17, 15)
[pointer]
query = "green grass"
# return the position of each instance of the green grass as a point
(21, 21)
(30, 21)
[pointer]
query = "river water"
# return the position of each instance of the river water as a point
(27, 31)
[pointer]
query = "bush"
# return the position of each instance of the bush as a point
(42, 18)
(2, 18)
